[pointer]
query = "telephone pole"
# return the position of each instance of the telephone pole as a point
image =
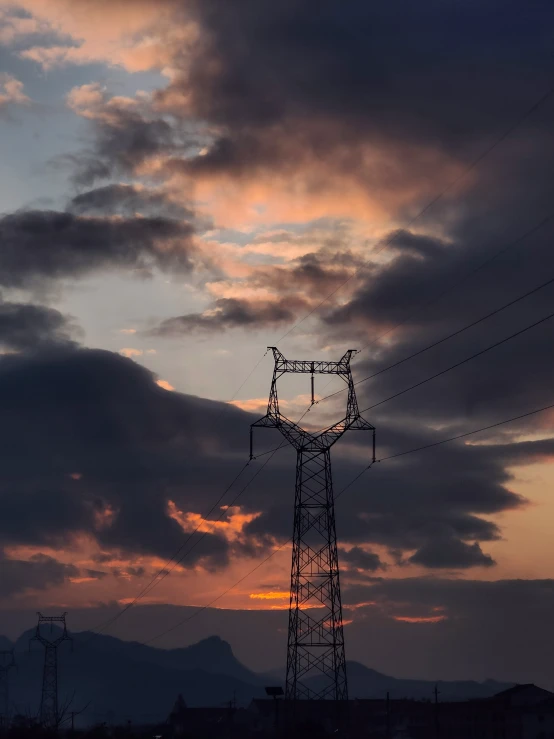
(7, 661)
(315, 635)
(49, 716)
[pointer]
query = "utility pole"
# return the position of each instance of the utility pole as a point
(315, 635)
(7, 661)
(49, 715)
(437, 726)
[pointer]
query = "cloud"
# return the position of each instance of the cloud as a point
(361, 559)
(11, 92)
(127, 201)
(481, 623)
(61, 33)
(24, 326)
(130, 352)
(39, 573)
(49, 245)
(130, 134)
(232, 313)
(358, 128)
(135, 446)
(451, 553)
(414, 508)
(431, 288)
(268, 295)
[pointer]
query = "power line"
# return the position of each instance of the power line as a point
(248, 376)
(459, 364)
(445, 338)
(444, 371)
(164, 571)
(451, 288)
(468, 433)
(385, 244)
(342, 491)
(475, 163)
(104, 625)
(465, 277)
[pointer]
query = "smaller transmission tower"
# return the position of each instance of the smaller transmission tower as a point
(49, 717)
(7, 661)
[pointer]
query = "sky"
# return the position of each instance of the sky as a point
(187, 182)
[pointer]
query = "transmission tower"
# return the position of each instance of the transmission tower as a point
(315, 636)
(7, 661)
(49, 716)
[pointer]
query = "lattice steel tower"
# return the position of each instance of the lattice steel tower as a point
(7, 661)
(315, 638)
(49, 716)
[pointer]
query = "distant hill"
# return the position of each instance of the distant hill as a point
(5, 643)
(364, 682)
(129, 681)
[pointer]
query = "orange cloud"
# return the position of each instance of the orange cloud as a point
(272, 595)
(138, 36)
(165, 385)
(104, 518)
(420, 619)
(129, 352)
(231, 527)
(11, 91)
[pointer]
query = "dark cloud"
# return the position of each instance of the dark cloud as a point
(360, 559)
(97, 574)
(128, 201)
(126, 137)
(40, 572)
(454, 628)
(313, 275)
(134, 445)
(292, 81)
(418, 298)
(451, 553)
(311, 90)
(24, 326)
(47, 245)
(233, 313)
(298, 286)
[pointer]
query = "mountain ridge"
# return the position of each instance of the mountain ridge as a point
(120, 678)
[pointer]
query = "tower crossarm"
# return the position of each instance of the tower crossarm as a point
(309, 367)
(39, 635)
(292, 432)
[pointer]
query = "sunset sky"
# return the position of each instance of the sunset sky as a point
(184, 183)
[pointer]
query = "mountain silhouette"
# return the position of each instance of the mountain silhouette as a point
(127, 681)
(363, 682)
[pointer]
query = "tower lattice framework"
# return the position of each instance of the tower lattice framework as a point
(7, 662)
(49, 712)
(316, 666)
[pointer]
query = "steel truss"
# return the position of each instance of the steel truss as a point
(316, 667)
(7, 661)
(49, 712)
